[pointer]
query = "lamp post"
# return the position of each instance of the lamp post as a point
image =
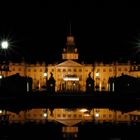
(4, 47)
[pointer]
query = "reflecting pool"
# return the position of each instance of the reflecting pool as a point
(70, 123)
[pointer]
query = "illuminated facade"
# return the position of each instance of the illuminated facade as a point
(71, 75)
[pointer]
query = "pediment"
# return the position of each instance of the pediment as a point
(69, 63)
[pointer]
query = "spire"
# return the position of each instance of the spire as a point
(70, 52)
(70, 38)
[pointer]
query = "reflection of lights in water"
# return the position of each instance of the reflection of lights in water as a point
(70, 132)
(45, 115)
(83, 110)
(86, 114)
(45, 74)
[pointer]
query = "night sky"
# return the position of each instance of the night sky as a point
(37, 30)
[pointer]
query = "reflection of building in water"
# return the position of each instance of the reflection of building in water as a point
(71, 117)
(70, 132)
(70, 75)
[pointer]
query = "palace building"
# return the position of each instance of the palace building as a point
(70, 75)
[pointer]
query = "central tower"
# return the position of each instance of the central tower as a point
(70, 52)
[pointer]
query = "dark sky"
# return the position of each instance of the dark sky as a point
(103, 31)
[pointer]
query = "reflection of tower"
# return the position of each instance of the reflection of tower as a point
(70, 132)
(70, 52)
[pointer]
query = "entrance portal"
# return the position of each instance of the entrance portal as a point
(70, 84)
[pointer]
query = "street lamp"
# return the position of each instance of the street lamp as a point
(4, 45)
(4, 66)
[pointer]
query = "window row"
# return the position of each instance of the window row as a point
(111, 69)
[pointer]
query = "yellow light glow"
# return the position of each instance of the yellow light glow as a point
(83, 110)
(45, 74)
(71, 79)
(97, 115)
(97, 74)
(45, 115)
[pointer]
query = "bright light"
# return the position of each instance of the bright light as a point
(83, 110)
(97, 74)
(4, 45)
(45, 115)
(45, 74)
(97, 115)
(71, 79)
(0, 111)
(0, 76)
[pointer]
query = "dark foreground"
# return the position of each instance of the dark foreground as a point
(53, 131)
(75, 100)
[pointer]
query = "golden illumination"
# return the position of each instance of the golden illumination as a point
(83, 110)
